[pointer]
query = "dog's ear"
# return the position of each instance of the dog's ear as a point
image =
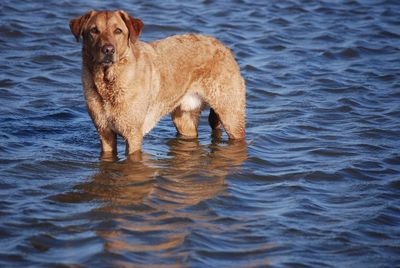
(77, 25)
(134, 26)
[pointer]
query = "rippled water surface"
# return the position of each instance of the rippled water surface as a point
(317, 183)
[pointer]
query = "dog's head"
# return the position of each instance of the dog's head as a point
(106, 34)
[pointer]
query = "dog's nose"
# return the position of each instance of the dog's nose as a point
(108, 49)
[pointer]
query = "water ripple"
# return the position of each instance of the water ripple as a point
(315, 184)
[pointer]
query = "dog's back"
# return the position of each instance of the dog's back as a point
(197, 69)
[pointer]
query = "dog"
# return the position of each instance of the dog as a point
(129, 85)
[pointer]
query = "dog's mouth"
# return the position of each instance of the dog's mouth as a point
(107, 61)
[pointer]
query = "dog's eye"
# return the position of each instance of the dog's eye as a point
(94, 30)
(118, 31)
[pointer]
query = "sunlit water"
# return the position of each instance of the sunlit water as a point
(317, 183)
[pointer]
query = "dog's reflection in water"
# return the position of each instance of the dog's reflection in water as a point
(152, 203)
(188, 175)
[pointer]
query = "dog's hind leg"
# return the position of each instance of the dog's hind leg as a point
(229, 109)
(186, 122)
(233, 122)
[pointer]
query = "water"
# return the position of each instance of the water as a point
(317, 182)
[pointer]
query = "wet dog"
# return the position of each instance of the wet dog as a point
(129, 84)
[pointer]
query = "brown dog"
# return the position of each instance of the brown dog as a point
(129, 84)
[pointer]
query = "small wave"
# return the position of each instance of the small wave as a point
(280, 22)
(277, 47)
(328, 55)
(323, 176)
(7, 83)
(349, 53)
(394, 160)
(388, 77)
(251, 68)
(48, 59)
(11, 32)
(378, 51)
(345, 53)
(311, 128)
(385, 219)
(356, 173)
(388, 34)
(332, 152)
(61, 247)
(327, 38)
(62, 115)
(395, 184)
(41, 79)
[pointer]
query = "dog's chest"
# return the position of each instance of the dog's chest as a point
(109, 92)
(112, 117)
(110, 110)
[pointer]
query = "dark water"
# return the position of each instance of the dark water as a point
(317, 184)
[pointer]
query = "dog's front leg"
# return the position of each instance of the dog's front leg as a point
(108, 140)
(134, 142)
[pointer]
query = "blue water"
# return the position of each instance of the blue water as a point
(316, 184)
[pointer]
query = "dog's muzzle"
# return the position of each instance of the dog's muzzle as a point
(109, 51)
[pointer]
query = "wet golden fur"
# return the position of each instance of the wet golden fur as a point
(129, 91)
